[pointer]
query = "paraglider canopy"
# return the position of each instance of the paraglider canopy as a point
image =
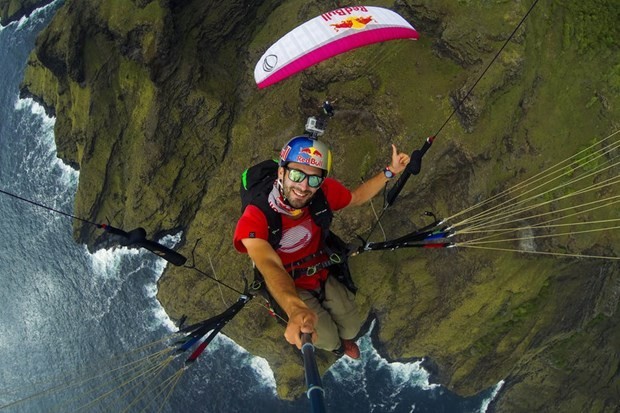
(326, 36)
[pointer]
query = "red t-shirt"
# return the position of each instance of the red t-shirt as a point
(300, 237)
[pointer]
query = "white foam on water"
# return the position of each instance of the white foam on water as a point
(106, 262)
(406, 374)
(56, 182)
(37, 14)
(19, 23)
(264, 372)
(494, 393)
(46, 136)
(105, 265)
(161, 318)
(259, 365)
(402, 374)
(172, 240)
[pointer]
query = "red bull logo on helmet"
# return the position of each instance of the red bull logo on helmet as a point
(312, 151)
(310, 156)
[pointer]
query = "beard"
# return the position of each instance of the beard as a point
(295, 197)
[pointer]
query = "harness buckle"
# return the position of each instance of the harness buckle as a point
(335, 258)
(256, 285)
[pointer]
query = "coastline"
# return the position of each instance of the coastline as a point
(495, 299)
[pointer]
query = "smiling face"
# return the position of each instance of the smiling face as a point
(298, 194)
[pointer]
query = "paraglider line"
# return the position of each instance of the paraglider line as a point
(163, 385)
(193, 267)
(539, 176)
(460, 103)
(559, 254)
(507, 214)
(508, 207)
(135, 238)
(48, 208)
(587, 231)
(609, 201)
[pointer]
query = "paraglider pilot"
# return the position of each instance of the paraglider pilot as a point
(328, 108)
(298, 271)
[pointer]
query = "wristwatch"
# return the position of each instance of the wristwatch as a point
(388, 173)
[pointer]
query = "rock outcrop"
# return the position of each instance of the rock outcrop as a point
(156, 106)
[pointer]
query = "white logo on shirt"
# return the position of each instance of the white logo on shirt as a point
(296, 238)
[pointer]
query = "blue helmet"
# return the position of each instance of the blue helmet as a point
(302, 149)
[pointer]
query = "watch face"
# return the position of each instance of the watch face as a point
(388, 173)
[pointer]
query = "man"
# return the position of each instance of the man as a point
(313, 301)
(328, 108)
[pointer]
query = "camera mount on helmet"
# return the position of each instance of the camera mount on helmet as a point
(315, 127)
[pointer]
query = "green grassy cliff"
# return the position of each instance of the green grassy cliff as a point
(157, 107)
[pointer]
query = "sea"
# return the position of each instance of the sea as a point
(67, 314)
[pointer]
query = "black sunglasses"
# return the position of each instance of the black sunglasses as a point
(295, 175)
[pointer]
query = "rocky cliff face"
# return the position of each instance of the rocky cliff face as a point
(156, 106)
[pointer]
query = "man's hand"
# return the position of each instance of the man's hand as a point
(399, 160)
(300, 320)
(370, 188)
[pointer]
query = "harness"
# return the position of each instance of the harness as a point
(256, 184)
(322, 215)
(337, 262)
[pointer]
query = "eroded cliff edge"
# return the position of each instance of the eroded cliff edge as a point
(156, 106)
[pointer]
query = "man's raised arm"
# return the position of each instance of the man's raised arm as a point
(366, 191)
(282, 288)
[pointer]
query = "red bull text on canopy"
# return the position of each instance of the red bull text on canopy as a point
(343, 12)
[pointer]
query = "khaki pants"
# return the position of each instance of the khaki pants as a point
(338, 316)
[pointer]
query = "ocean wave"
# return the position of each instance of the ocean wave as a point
(37, 16)
(494, 393)
(401, 374)
(259, 365)
(19, 24)
(105, 263)
(237, 354)
(171, 240)
(108, 264)
(264, 373)
(57, 182)
(161, 318)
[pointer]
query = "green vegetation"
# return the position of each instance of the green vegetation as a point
(123, 16)
(591, 26)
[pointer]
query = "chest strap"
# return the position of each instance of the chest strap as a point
(312, 269)
(293, 265)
